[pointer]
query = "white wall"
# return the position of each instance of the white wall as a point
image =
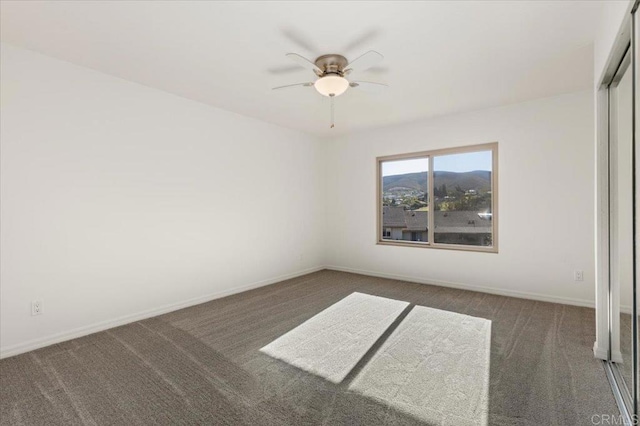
(120, 201)
(546, 200)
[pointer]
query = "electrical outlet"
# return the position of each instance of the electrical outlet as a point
(578, 276)
(36, 307)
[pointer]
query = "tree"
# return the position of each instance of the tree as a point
(440, 191)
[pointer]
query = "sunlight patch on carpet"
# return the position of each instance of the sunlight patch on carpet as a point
(434, 367)
(332, 342)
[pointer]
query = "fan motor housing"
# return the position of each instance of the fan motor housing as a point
(332, 64)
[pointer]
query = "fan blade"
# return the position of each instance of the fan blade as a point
(365, 61)
(293, 85)
(368, 86)
(304, 62)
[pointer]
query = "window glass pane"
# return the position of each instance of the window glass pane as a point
(405, 200)
(462, 195)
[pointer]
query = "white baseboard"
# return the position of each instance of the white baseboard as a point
(482, 289)
(105, 325)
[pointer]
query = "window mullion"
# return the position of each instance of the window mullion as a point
(431, 213)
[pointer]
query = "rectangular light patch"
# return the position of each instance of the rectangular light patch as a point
(332, 342)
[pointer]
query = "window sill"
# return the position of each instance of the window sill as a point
(403, 243)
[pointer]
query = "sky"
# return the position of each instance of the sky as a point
(453, 163)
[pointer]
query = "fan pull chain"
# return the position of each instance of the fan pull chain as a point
(332, 96)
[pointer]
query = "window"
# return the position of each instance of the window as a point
(442, 199)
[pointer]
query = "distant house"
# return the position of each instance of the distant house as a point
(416, 226)
(393, 222)
(451, 227)
(463, 227)
(401, 224)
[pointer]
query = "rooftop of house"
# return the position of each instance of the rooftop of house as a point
(394, 217)
(445, 221)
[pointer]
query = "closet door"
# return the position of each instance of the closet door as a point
(621, 198)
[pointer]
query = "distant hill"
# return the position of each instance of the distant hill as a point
(477, 179)
(408, 181)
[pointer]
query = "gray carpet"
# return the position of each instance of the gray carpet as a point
(203, 365)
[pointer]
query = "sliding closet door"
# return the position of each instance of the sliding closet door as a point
(621, 223)
(617, 214)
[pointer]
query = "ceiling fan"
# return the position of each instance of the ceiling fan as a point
(332, 71)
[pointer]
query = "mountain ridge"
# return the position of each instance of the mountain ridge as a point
(476, 179)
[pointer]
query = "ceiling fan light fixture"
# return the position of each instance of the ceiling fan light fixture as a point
(331, 85)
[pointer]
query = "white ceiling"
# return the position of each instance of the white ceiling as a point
(440, 57)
